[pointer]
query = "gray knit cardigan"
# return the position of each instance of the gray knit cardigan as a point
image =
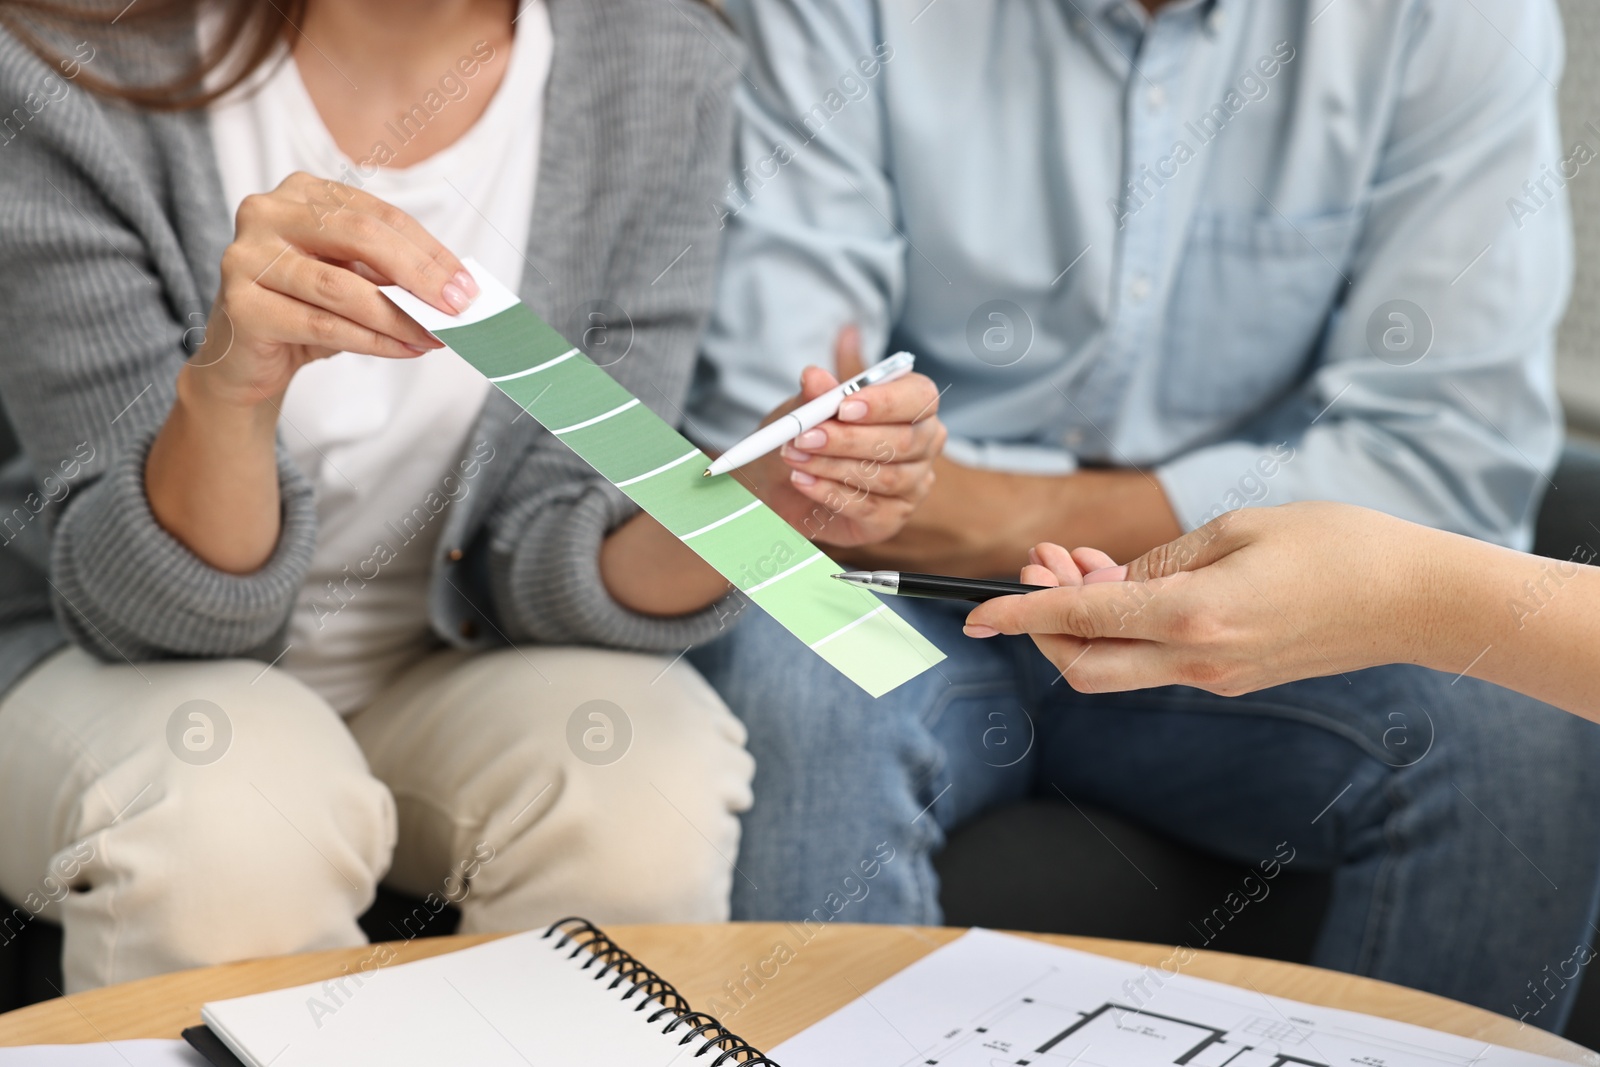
(112, 228)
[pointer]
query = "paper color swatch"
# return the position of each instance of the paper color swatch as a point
(660, 470)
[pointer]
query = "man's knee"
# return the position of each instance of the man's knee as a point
(1486, 731)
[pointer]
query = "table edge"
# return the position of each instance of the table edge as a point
(936, 936)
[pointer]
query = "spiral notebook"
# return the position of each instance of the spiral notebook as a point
(568, 995)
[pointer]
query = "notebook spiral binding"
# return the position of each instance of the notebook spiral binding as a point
(612, 958)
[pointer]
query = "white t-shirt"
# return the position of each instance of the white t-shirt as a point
(381, 439)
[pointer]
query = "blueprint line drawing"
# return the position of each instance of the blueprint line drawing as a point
(1042, 1025)
(1008, 1035)
(996, 1000)
(1206, 1051)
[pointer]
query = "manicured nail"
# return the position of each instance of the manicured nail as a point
(794, 455)
(811, 439)
(852, 410)
(456, 297)
(972, 630)
(418, 349)
(467, 284)
(802, 478)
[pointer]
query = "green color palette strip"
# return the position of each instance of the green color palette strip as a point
(660, 470)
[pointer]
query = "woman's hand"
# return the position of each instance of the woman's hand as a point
(300, 282)
(856, 478)
(1254, 599)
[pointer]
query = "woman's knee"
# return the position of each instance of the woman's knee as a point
(247, 824)
(614, 721)
(644, 775)
(691, 780)
(291, 786)
(663, 742)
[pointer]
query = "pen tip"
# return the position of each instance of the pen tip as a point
(706, 473)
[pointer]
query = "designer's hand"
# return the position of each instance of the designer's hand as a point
(856, 478)
(1254, 599)
(300, 282)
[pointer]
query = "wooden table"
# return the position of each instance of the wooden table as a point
(823, 975)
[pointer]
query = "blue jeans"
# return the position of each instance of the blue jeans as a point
(1460, 821)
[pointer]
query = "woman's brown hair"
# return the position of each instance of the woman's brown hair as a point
(251, 31)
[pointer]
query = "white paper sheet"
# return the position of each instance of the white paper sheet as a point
(989, 998)
(115, 1054)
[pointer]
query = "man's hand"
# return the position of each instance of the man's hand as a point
(856, 478)
(982, 523)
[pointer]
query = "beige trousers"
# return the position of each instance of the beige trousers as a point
(176, 814)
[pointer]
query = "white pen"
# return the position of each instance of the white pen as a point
(813, 413)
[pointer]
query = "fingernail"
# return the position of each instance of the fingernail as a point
(851, 410)
(456, 297)
(802, 478)
(794, 455)
(468, 284)
(418, 349)
(812, 439)
(980, 631)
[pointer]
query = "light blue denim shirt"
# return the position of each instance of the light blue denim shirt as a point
(1274, 249)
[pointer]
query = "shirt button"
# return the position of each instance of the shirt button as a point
(1072, 438)
(454, 555)
(468, 629)
(1217, 19)
(1139, 288)
(1156, 98)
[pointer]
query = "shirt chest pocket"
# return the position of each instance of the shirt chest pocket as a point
(1248, 308)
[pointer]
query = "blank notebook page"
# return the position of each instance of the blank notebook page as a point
(507, 1003)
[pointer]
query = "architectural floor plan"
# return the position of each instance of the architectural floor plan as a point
(1034, 1029)
(993, 1000)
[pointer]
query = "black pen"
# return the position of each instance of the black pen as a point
(934, 586)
